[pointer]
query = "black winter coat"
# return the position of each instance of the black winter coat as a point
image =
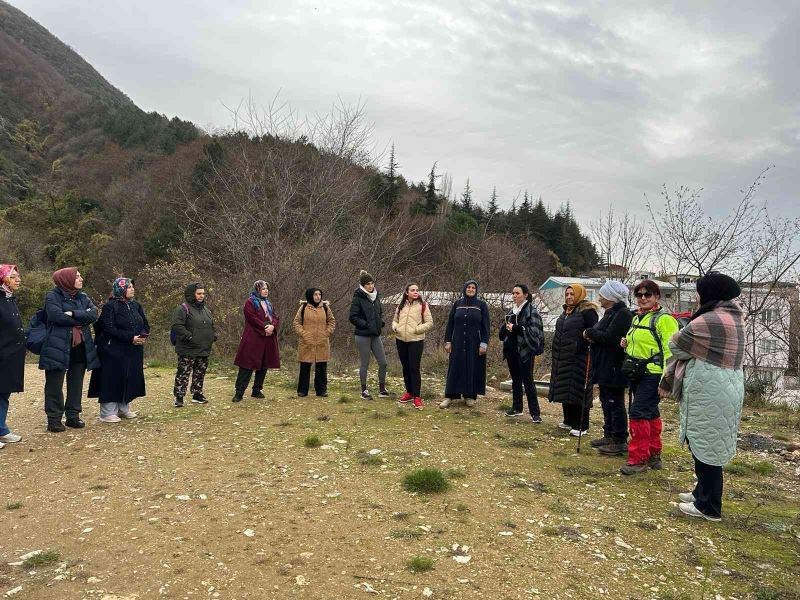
(607, 354)
(526, 339)
(570, 351)
(194, 328)
(366, 315)
(467, 329)
(12, 346)
(58, 343)
(121, 375)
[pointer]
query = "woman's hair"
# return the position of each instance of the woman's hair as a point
(524, 289)
(405, 297)
(647, 285)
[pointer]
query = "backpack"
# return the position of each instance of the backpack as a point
(36, 333)
(173, 337)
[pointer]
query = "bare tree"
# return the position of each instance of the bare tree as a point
(623, 244)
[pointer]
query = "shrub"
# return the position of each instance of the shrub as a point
(420, 564)
(13, 505)
(312, 441)
(426, 481)
(41, 559)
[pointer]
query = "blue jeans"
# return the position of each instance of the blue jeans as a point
(4, 430)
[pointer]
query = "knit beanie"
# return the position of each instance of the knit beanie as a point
(615, 291)
(364, 278)
(715, 286)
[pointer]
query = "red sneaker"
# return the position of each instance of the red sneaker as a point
(418, 404)
(405, 398)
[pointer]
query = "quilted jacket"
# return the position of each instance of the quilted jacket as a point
(710, 409)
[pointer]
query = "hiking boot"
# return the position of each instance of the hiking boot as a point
(237, 398)
(563, 425)
(613, 449)
(603, 441)
(384, 393)
(445, 403)
(654, 462)
(405, 398)
(56, 427)
(199, 399)
(578, 432)
(10, 438)
(365, 395)
(178, 403)
(259, 394)
(471, 402)
(418, 403)
(687, 497)
(536, 419)
(633, 469)
(322, 395)
(513, 413)
(690, 510)
(110, 419)
(75, 423)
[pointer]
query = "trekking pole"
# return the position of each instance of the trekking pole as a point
(584, 408)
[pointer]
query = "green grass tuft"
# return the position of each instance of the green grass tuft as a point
(455, 474)
(13, 505)
(420, 564)
(312, 441)
(41, 559)
(426, 481)
(344, 399)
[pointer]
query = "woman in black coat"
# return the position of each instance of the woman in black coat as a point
(69, 350)
(607, 356)
(121, 333)
(568, 378)
(366, 315)
(12, 348)
(466, 341)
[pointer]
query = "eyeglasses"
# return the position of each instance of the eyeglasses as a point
(644, 295)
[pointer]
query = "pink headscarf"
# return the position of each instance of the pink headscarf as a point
(5, 271)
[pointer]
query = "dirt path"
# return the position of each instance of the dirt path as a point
(224, 501)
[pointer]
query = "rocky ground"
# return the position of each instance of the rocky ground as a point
(226, 501)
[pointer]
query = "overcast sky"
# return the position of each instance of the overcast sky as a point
(591, 102)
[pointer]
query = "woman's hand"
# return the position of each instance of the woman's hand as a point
(509, 327)
(481, 351)
(448, 347)
(269, 329)
(624, 342)
(662, 393)
(139, 340)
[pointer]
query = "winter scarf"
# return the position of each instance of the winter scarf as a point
(470, 300)
(371, 295)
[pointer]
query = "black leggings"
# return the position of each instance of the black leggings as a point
(522, 377)
(410, 354)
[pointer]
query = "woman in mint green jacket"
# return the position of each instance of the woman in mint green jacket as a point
(706, 377)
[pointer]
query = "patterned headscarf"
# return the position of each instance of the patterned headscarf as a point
(258, 301)
(120, 287)
(5, 271)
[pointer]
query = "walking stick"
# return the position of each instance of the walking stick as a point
(584, 408)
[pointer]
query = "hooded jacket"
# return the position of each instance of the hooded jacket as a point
(314, 326)
(194, 329)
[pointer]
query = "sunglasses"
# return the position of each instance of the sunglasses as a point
(644, 295)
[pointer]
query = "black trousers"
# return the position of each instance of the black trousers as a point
(320, 378)
(243, 380)
(708, 491)
(410, 354)
(54, 405)
(522, 377)
(615, 417)
(576, 416)
(645, 397)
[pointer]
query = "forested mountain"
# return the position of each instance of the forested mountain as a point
(88, 179)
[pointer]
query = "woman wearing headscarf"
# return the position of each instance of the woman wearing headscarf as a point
(705, 376)
(568, 377)
(647, 350)
(412, 321)
(466, 341)
(314, 324)
(12, 348)
(193, 327)
(121, 333)
(606, 368)
(522, 335)
(366, 315)
(258, 348)
(69, 350)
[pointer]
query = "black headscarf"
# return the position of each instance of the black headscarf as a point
(188, 292)
(310, 296)
(715, 287)
(467, 300)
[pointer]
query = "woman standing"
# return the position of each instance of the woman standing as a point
(647, 349)
(412, 320)
(314, 324)
(193, 326)
(522, 335)
(258, 348)
(69, 350)
(366, 315)
(121, 333)
(607, 356)
(12, 348)
(706, 378)
(568, 379)
(466, 341)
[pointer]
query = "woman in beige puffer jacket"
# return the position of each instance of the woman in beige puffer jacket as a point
(412, 320)
(314, 324)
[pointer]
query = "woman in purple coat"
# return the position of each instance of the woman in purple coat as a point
(258, 348)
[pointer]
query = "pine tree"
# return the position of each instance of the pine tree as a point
(466, 198)
(492, 209)
(392, 189)
(431, 197)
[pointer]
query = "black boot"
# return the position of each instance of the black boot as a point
(75, 423)
(55, 426)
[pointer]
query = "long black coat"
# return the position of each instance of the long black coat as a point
(121, 375)
(467, 329)
(570, 351)
(607, 354)
(366, 315)
(58, 343)
(12, 346)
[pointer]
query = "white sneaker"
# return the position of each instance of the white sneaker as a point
(444, 403)
(110, 419)
(128, 415)
(577, 432)
(2, 445)
(689, 509)
(563, 425)
(686, 497)
(471, 402)
(10, 438)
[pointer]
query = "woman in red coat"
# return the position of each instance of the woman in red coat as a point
(258, 348)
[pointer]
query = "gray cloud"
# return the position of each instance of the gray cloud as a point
(587, 103)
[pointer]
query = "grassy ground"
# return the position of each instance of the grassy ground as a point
(239, 501)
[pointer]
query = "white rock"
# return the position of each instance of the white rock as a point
(183, 497)
(300, 580)
(506, 533)
(93, 580)
(462, 560)
(31, 554)
(249, 532)
(13, 591)
(87, 530)
(427, 592)
(375, 451)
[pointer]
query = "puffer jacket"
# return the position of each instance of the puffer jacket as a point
(314, 326)
(710, 408)
(570, 351)
(366, 315)
(194, 328)
(412, 323)
(58, 343)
